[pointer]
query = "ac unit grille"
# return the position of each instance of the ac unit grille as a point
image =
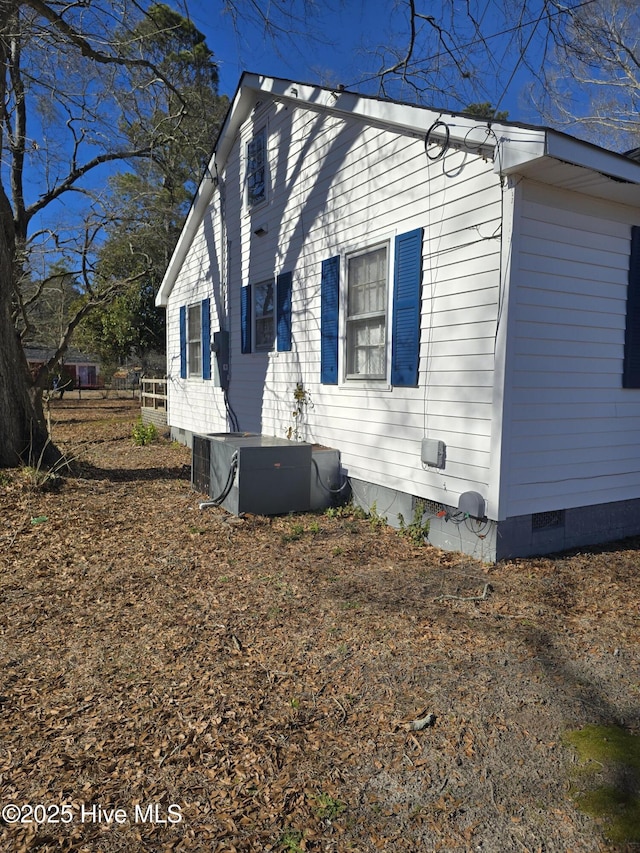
(201, 464)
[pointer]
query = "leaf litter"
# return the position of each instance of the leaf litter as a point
(308, 682)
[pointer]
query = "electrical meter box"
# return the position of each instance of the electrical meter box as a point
(272, 475)
(220, 348)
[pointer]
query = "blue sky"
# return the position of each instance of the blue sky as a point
(344, 51)
(348, 33)
(335, 52)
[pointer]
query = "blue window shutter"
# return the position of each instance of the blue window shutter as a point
(405, 344)
(283, 311)
(631, 368)
(245, 319)
(205, 314)
(183, 342)
(329, 308)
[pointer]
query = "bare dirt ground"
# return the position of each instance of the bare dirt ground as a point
(255, 679)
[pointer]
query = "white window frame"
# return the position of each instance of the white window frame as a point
(253, 203)
(350, 320)
(256, 318)
(194, 340)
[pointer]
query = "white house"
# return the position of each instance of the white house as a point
(452, 304)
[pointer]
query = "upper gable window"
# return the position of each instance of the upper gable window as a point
(257, 168)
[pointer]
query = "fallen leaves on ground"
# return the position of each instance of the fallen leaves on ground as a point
(251, 685)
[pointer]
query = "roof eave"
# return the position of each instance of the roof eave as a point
(571, 164)
(516, 149)
(545, 145)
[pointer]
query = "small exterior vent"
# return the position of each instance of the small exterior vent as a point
(426, 505)
(547, 520)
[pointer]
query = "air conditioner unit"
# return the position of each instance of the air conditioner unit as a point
(270, 475)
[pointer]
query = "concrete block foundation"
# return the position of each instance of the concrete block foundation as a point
(485, 539)
(520, 536)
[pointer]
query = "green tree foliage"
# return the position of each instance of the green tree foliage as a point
(192, 109)
(485, 110)
(150, 201)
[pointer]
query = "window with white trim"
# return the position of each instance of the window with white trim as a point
(194, 339)
(264, 316)
(366, 316)
(256, 174)
(374, 324)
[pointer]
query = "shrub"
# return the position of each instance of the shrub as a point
(144, 433)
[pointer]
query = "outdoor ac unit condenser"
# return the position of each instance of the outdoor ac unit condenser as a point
(272, 475)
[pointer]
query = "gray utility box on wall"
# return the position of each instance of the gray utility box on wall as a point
(273, 475)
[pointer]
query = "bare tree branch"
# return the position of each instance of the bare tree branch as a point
(88, 51)
(80, 171)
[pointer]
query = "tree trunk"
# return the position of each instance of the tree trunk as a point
(23, 429)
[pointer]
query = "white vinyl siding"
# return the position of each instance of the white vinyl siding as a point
(342, 187)
(574, 429)
(196, 406)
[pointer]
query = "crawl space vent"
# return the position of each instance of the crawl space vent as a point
(547, 520)
(426, 505)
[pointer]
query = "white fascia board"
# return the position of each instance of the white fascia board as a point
(517, 147)
(243, 102)
(578, 153)
(445, 128)
(405, 119)
(195, 216)
(521, 147)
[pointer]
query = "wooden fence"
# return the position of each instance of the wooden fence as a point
(153, 401)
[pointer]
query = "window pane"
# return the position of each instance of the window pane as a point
(264, 334)
(194, 322)
(264, 316)
(368, 282)
(194, 336)
(366, 347)
(264, 299)
(195, 358)
(366, 314)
